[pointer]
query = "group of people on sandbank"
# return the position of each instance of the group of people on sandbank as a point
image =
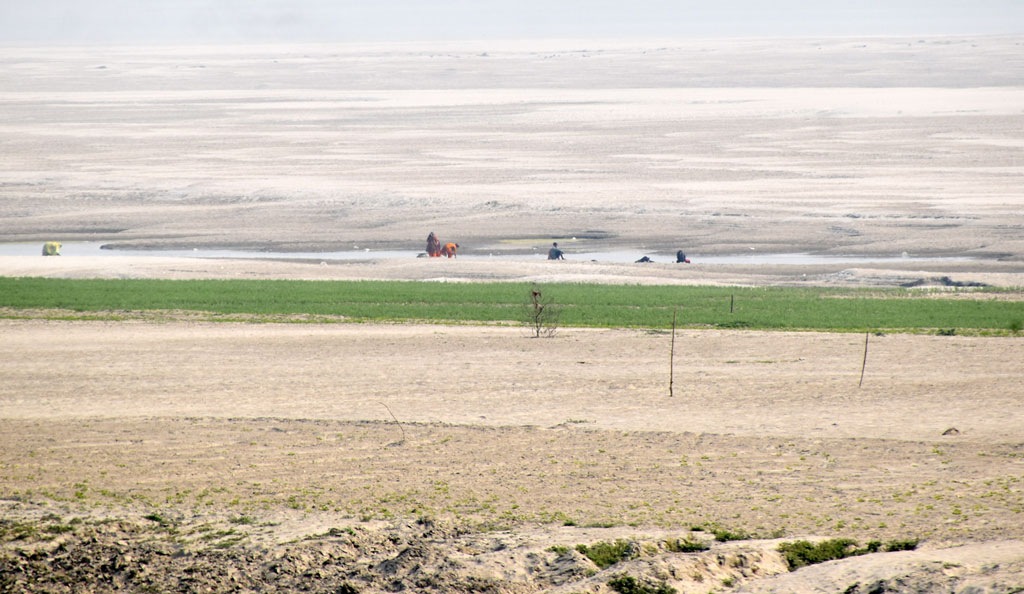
(680, 258)
(555, 253)
(436, 250)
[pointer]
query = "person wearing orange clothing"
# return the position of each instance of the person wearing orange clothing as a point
(449, 249)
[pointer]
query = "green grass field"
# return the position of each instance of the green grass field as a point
(901, 310)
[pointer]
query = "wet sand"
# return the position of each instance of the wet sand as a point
(170, 454)
(849, 147)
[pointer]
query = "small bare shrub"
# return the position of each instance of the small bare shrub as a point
(541, 314)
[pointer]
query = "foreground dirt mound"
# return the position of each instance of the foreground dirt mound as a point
(153, 554)
(995, 567)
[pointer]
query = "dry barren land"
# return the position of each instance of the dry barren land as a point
(843, 146)
(474, 451)
(175, 455)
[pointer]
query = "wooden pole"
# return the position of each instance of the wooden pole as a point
(672, 356)
(863, 365)
(396, 421)
(732, 300)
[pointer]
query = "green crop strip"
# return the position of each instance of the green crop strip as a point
(582, 305)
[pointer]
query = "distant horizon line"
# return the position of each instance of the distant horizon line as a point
(505, 40)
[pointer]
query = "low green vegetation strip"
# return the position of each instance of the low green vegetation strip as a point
(803, 553)
(904, 310)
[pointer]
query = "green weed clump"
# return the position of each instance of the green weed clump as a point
(686, 545)
(14, 530)
(726, 535)
(901, 545)
(625, 584)
(47, 528)
(606, 554)
(803, 553)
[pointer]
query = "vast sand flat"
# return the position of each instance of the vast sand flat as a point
(871, 146)
(617, 380)
(248, 437)
(167, 454)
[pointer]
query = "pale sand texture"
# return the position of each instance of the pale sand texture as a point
(314, 430)
(724, 382)
(873, 147)
(271, 455)
(867, 274)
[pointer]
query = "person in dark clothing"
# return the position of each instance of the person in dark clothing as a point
(433, 246)
(554, 253)
(681, 258)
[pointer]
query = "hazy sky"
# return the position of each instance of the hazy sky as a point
(169, 21)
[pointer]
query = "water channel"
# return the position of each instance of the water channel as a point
(90, 248)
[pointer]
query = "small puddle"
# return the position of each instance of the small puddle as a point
(89, 248)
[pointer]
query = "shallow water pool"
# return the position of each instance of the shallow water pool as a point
(92, 248)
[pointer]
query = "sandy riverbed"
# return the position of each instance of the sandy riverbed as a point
(259, 457)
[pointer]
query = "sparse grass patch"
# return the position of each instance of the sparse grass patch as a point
(901, 545)
(15, 530)
(606, 554)
(625, 584)
(686, 545)
(803, 553)
(155, 517)
(59, 528)
(726, 535)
